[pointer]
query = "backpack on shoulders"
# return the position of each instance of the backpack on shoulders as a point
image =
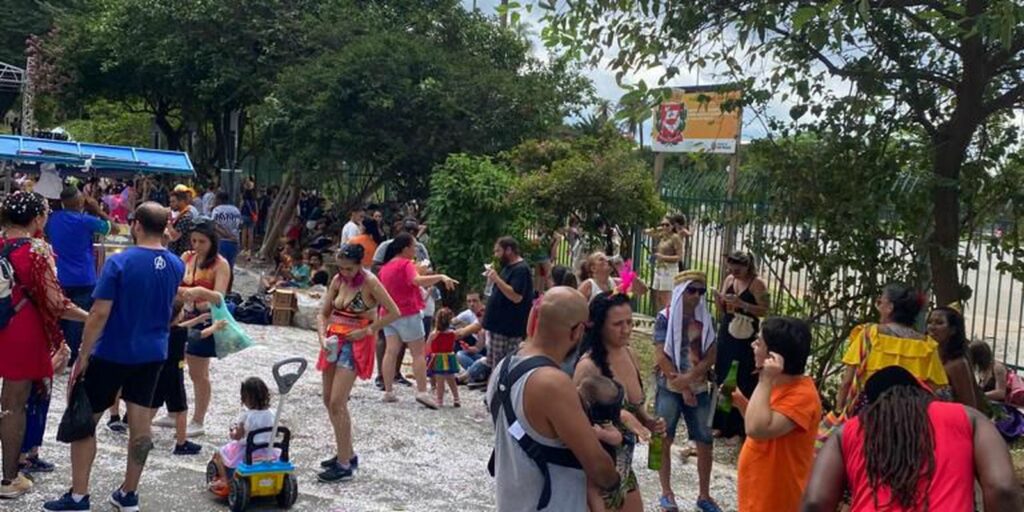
(8, 282)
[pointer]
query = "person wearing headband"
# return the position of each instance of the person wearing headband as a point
(909, 451)
(684, 350)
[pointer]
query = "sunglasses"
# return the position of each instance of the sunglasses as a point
(696, 291)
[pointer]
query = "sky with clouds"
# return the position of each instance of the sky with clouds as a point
(604, 79)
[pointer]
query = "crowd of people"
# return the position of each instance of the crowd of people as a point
(564, 386)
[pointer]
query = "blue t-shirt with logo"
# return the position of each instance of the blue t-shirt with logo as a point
(70, 234)
(142, 284)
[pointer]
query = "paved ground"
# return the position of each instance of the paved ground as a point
(411, 458)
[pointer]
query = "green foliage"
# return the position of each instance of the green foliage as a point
(401, 85)
(586, 177)
(469, 208)
(939, 71)
(20, 19)
(107, 122)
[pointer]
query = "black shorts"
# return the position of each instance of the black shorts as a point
(201, 347)
(136, 383)
(170, 389)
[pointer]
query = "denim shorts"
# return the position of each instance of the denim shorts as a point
(347, 358)
(407, 328)
(669, 406)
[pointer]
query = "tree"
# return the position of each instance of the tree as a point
(106, 122)
(469, 208)
(585, 177)
(945, 67)
(185, 63)
(20, 19)
(398, 86)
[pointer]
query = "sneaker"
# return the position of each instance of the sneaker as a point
(379, 382)
(426, 401)
(354, 462)
(479, 384)
(389, 398)
(187, 448)
(125, 501)
(66, 502)
(36, 465)
(195, 429)
(167, 421)
(10, 489)
(336, 473)
(115, 425)
(403, 381)
(706, 505)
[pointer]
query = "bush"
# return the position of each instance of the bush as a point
(469, 208)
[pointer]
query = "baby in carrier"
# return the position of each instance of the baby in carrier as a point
(602, 400)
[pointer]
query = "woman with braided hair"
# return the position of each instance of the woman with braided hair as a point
(907, 451)
(32, 336)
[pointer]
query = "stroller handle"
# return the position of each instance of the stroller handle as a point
(286, 381)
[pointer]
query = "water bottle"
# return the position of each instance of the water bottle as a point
(332, 349)
(654, 450)
(728, 386)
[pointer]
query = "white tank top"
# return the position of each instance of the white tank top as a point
(517, 478)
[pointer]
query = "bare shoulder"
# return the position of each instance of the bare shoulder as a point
(585, 368)
(549, 381)
(758, 285)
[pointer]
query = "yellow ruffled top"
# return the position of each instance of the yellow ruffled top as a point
(920, 357)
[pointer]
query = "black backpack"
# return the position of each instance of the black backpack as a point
(8, 282)
(541, 454)
(253, 311)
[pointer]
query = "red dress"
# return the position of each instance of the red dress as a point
(33, 334)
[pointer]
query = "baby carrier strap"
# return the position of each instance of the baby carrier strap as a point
(541, 454)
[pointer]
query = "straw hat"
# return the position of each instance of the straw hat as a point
(690, 275)
(181, 187)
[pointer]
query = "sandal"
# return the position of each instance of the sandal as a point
(668, 503)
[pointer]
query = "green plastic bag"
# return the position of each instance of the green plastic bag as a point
(231, 338)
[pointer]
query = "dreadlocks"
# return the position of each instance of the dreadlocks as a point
(899, 445)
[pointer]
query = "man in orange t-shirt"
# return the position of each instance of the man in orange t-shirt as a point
(781, 419)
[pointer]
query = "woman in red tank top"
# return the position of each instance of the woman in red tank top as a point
(908, 452)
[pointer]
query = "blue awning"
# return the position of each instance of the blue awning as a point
(82, 157)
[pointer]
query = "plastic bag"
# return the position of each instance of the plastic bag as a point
(77, 423)
(231, 338)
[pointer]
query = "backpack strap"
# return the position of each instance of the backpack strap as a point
(5, 255)
(541, 454)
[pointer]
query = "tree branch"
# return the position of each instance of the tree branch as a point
(925, 27)
(1007, 99)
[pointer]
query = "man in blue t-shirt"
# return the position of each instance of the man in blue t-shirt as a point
(123, 349)
(70, 232)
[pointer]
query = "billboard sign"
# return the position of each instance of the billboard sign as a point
(693, 121)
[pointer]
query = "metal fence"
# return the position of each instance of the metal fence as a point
(993, 313)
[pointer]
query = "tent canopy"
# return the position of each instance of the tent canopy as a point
(83, 158)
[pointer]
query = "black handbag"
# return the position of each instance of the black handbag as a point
(77, 422)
